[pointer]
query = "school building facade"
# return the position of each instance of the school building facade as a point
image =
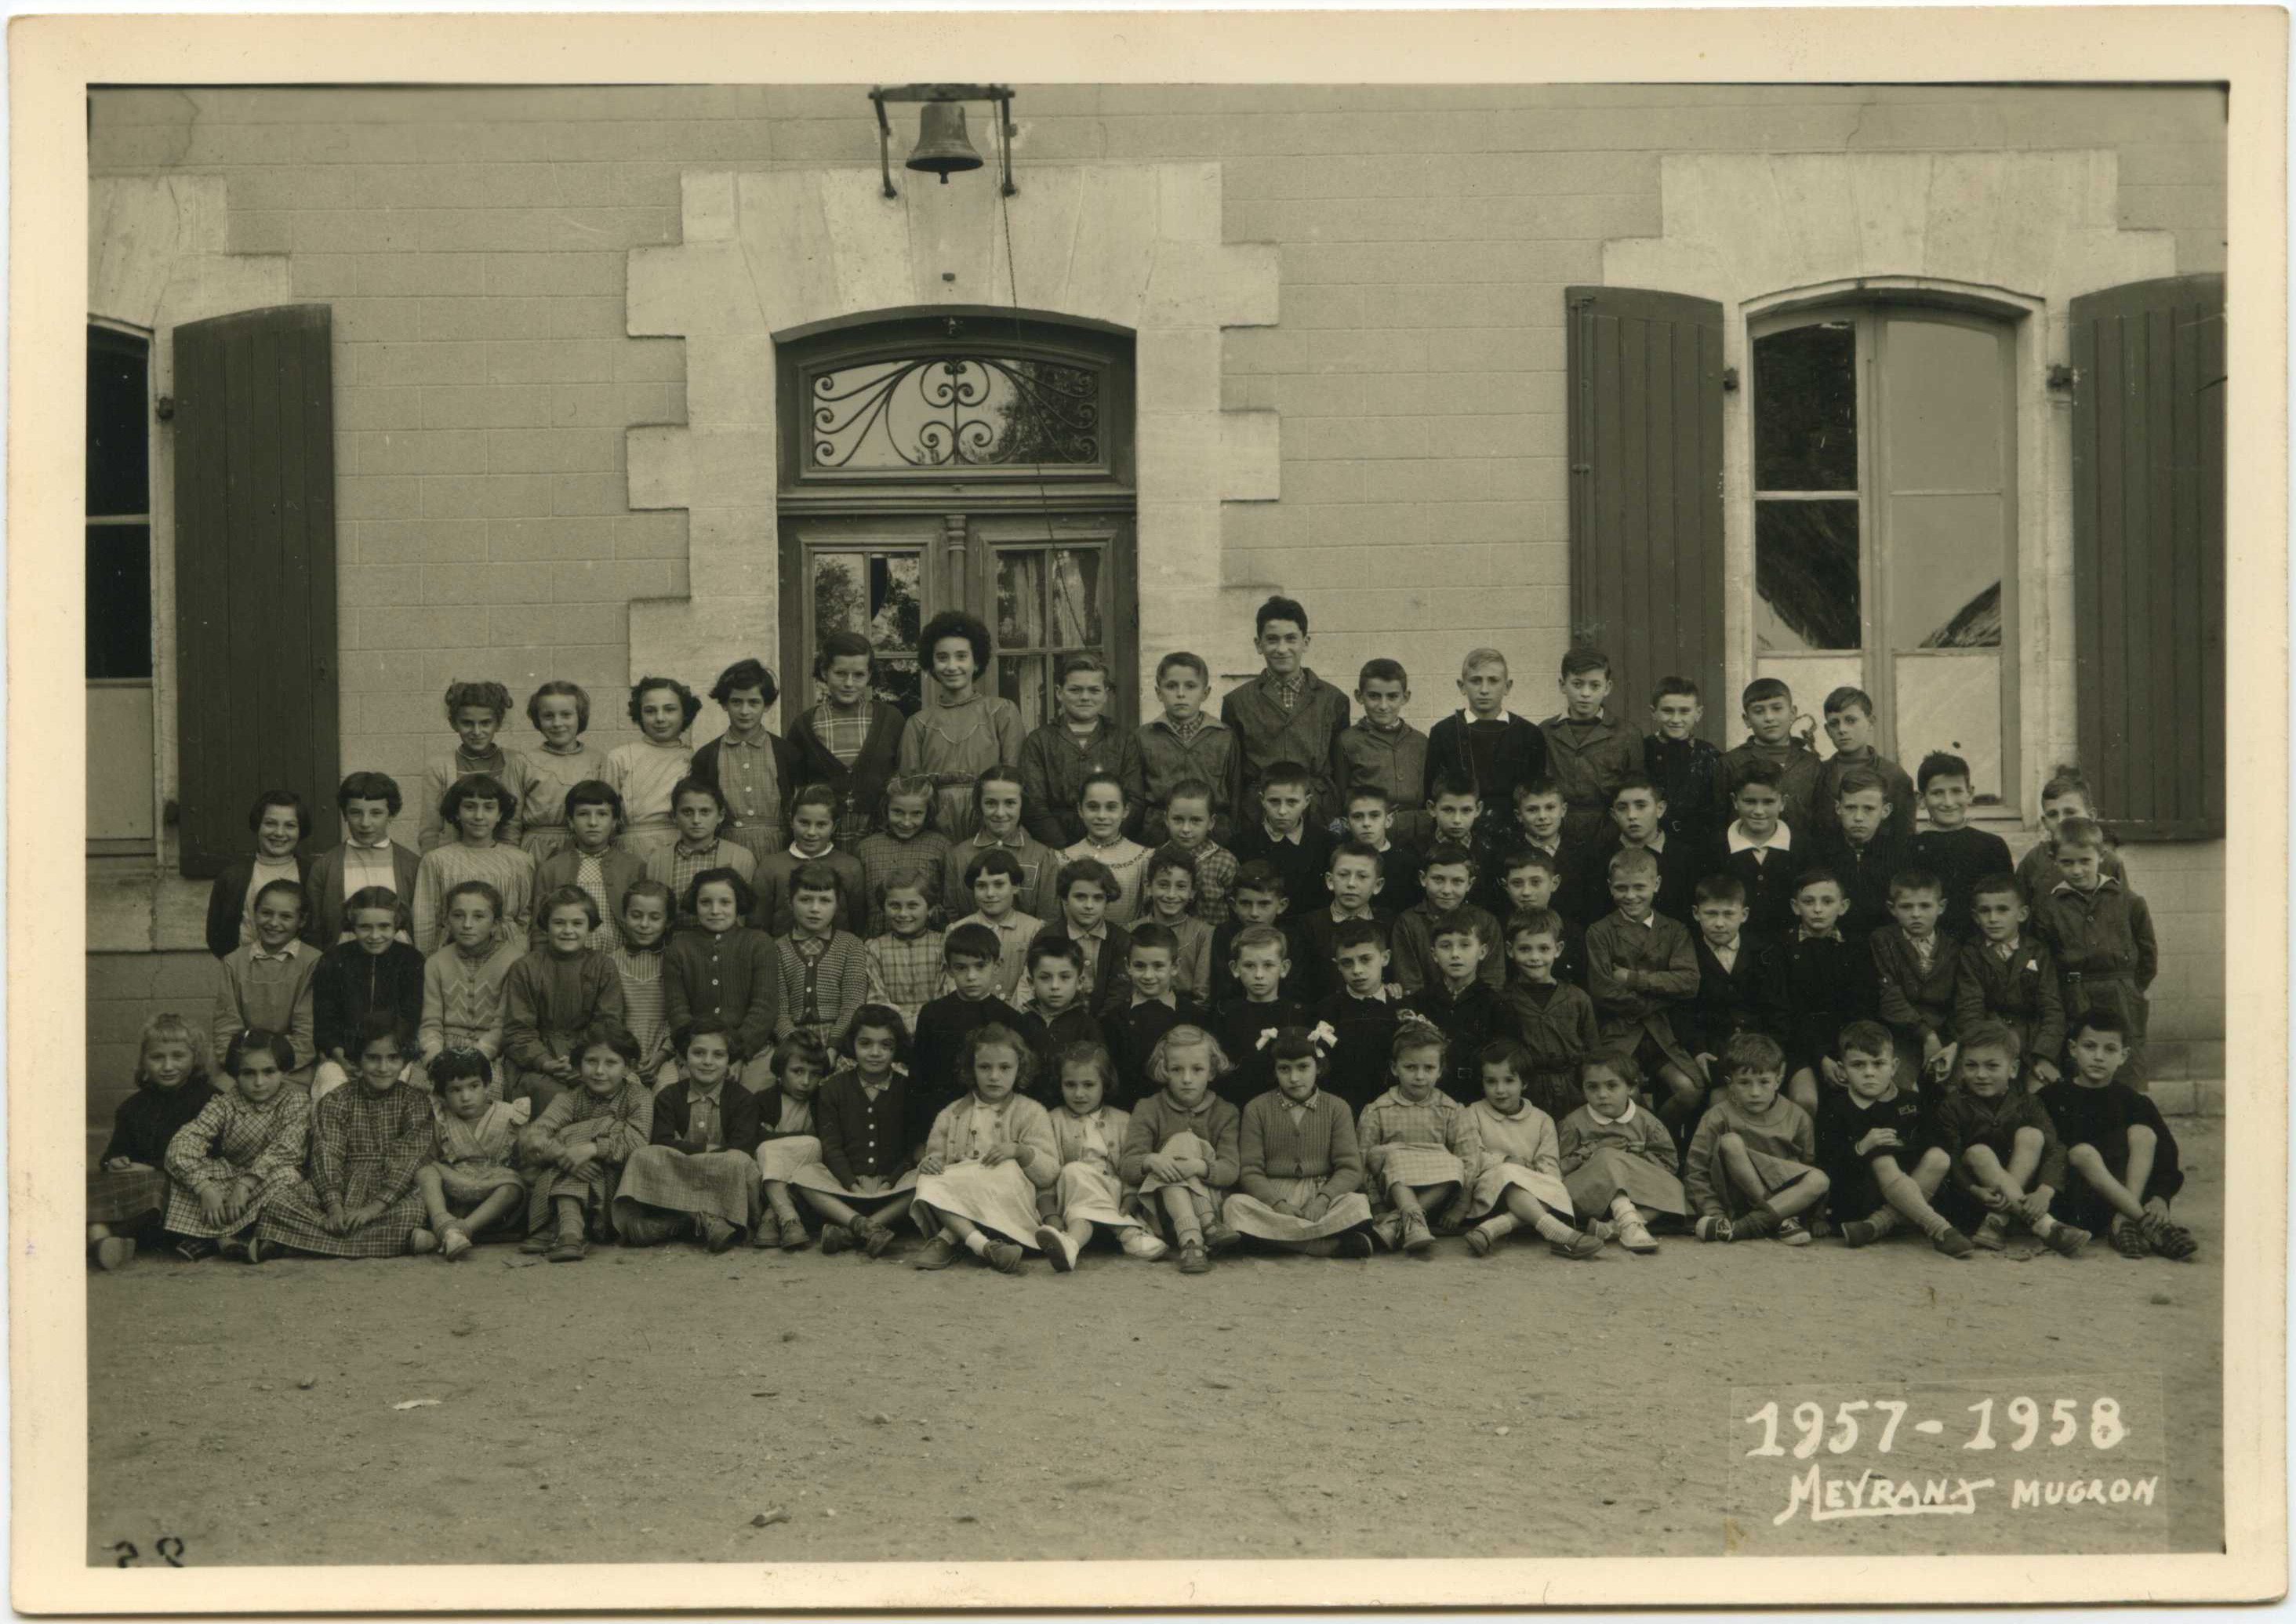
(1913, 388)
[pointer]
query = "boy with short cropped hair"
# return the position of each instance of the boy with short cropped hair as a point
(368, 856)
(1259, 899)
(1151, 1008)
(1447, 880)
(1749, 1171)
(1459, 1000)
(1184, 746)
(1084, 888)
(1530, 881)
(1850, 726)
(1639, 818)
(1729, 997)
(1456, 809)
(1813, 983)
(1286, 837)
(1355, 880)
(1057, 1014)
(1587, 754)
(969, 955)
(1555, 1021)
(1484, 745)
(1260, 965)
(1914, 967)
(1361, 1013)
(1287, 713)
(1957, 854)
(1380, 750)
(2006, 1157)
(1862, 849)
(1078, 744)
(475, 711)
(1373, 819)
(2119, 1156)
(995, 878)
(1188, 829)
(1640, 966)
(1686, 769)
(1168, 899)
(1768, 707)
(1878, 1147)
(2065, 793)
(1757, 849)
(2005, 974)
(2100, 933)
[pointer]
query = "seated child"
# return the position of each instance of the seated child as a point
(267, 982)
(1814, 983)
(372, 973)
(1361, 1016)
(1640, 966)
(2005, 974)
(1879, 1151)
(644, 771)
(813, 827)
(903, 841)
(1685, 769)
(1729, 997)
(1088, 1134)
(469, 1185)
(463, 982)
(278, 820)
(475, 711)
(1248, 1022)
(1180, 1148)
(696, 1174)
(1083, 891)
(127, 1191)
(1300, 1171)
(1258, 899)
(1287, 714)
(1862, 849)
(472, 810)
(1768, 705)
(1058, 760)
(1420, 1145)
(986, 1157)
(851, 739)
(961, 731)
(2004, 1149)
(1284, 836)
(1749, 1169)
(1482, 743)
(1377, 820)
(1459, 1003)
(242, 1151)
(1449, 877)
(2101, 934)
(1758, 850)
(580, 1144)
(2121, 1157)
(748, 766)
(1554, 1021)
(1381, 753)
(789, 1139)
(861, 1187)
(996, 815)
(368, 856)
(699, 847)
(1151, 1009)
(1184, 746)
(1915, 968)
(369, 1139)
(2065, 794)
(1520, 1181)
(637, 959)
(1587, 752)
(1617, 1159)
(1057, 1018)
(824, 972)
(725, 968)
(1533, 883)
(994, 878)
(1169, 902)
(1948, 847)
(905, 960)
(1188, 829)
(551, 1000)
(969, 956)
(1850, 726)
(1102, 807)
(559, 711)
(589, 859)
(1355, 880)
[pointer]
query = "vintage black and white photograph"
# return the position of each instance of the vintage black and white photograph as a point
(972, 819)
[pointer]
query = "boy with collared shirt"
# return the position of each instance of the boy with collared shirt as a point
(1380, 750)
(749, 768)
(2101, 934)
(1361, 1013)
(1152, 1008)
(824, 971)
(1188, 829)
(1372, 821)
(1862, 851)
(1057, 1014)
(2006, 1158)
(1729, 997)
(698, 849)
(1184, 746)
(1813, 983)
(1685, 769)
(1355, 881)
(1287, 714)
(1460, 1002)
(813, 827)
(1261, 966)
(995, 876)
(997, 801)
(969, 955)
(1084, 888)
(475, 711)
(1640, 965)
(1483, 745)
(1588, 753)
(1757, 849)
(1948, 847)
(1079, 745)
(1850, 724)
(2006, 974)
(1284, 836)
(1768, 708)
(368, 856)
(1914, 967)
(1258, 899)
(1446, 880)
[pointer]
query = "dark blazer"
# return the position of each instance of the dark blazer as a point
(737, 1112)
(350, 984)
(1865, 874)
(1521, 758)
(1727, 1001)
(326, 880)
(228, 895)
(1913, 1001)
(859, 786)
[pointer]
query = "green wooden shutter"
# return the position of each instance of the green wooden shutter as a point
(1645, 442)
(2149, 554)
(257, 678)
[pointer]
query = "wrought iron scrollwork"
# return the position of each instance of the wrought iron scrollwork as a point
(956, 410)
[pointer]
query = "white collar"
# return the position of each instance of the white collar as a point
(1467, 717)
(1623, 1118)
(1781, 838)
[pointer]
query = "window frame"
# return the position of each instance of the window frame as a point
(148, 682)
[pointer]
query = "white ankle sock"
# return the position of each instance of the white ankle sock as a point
(1552, 1228)
(1622, 1208)
(976, 1243)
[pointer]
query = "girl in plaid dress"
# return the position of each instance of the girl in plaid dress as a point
(368, 1140)
(242, 1149)
(469, 1185)
(1420, 1145)
(128, 1190)
(905, 966)
(578, 1144)
(904, 840)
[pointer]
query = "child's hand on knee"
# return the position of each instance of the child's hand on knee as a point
(931, 1165)
(1162, 1167)
(1315, 1206)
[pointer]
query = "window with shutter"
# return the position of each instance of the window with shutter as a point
(1645, 443)
(2149, 554)
(255, 571)
(122, 809)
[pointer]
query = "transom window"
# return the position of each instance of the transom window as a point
(1885, 525)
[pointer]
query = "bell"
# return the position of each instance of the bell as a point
(942, 148)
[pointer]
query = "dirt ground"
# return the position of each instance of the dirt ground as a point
(648, 1406)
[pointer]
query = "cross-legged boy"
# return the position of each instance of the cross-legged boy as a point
(1483, 743)
(1915, 968)
(1958, 855)
(1686, 769)
(2101, 934)
(2006, 1156)
(1380, 750)
(1849, 726)
(2119, 1156)
(1588, 753)
(1749, 1169)
(1767, 706)
(1287, 713)
(2007, 974)
(1814, 983)
(1878, 1150)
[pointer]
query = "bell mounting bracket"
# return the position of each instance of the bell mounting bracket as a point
(1002, 95)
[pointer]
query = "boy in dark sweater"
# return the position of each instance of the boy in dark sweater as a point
(2119, 1156)
(1483, 745)
(373, 974)
(1532, 882)
(1354, 880)
(1538, 818)
(1686, 769)
(1447, 879)
(1460, 1003)
(1151, 1009)
(1375, 820)
(1915, 965)
(1849, 726)
(1729, 997)
(1057, 1014)
(1768, 707)
(1588, 753)
(1456, 807)
(1285, 838)
(970, 953)
(2007, 1158)
(1814, 983)
(1554, 1019)
(1258, 899)
(1862, 849)
(1380, 751)
(1758, 850)
(1247, 1023)
(2007, 974)
(1877, 1146)
(1361, 1013)
(1638, 814)
(1948, 847)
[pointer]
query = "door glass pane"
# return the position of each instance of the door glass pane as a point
(1026, 679)
(878, 594)
(1048, 597)
(119, 440)
(1075, 597)
(1952, 702)
(1021, 599)
(1944, 568)
(118, 600)
(1806, 586)
(1943, 406)
(1805, 408)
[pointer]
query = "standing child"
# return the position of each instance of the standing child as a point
(1057, 1018)
(1287, 714)
(372, 973)
(902, 839)
(1849, 726)
(644, 771)
(1300, 1171)
(2005, 1153)
(127, 1191)
(1879, 1148)
(1686, 769)
(1354, 880)
(552, 998)
(1554, 1021)
(241, 1151)
(1749, 1167)
(696, 1173)
(1258, 900)
(850, 741)
(1373, 820)
(1169, 901)
(1588, 754)
(959, 732)
(1618, 1159)
(1915, 968)
(368, 856)
(1459, 1001)
(1519, 1183)
(1862, 848)
(1285, 839)
(1361, 1016)
(369, 1139)
(2101, 934)
(473, 807)
(1768, 705)
(1729, 997)
(1420, 1145)
(699, 847)
(725, 968)
(1152, 1008)
(637, 959)
(559, 711)
(1260, 966)
(861, 1187)
(812, 821)
(2119, 1154)
(578, 1146)
(475, 711)
(1180, 1150)
(1101, 807)
(267, 982)
(1184, 746)
(1079, 745)
(1958, 855)
(279, 820)
(1640, 967)
(789, 1138)
(469, 1185)
(463, 982)
(1089, 1136)
(904, 961)
(590, 860)
(1814, 983)
(986, 1157)
(997, 818)
(1757, 849)
(2007, 974)
(824, 971)
(1483, 743)
(749, 768)
(969, 955)
(2065, 795)
(1449, 877)
(996, 877)
(1379, 752)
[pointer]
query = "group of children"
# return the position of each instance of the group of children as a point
(1014, 989)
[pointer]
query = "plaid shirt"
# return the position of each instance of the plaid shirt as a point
(905, 971)
(843, 736)
(1216, 867)
(823, 980)
(1438, 1120)
(684, 866)
(882, 857)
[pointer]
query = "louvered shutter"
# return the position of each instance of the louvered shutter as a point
(2149, 554)
(256, 676)
(1645, 443)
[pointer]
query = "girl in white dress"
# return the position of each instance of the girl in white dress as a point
(984, 1159)
(1520, 1182)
